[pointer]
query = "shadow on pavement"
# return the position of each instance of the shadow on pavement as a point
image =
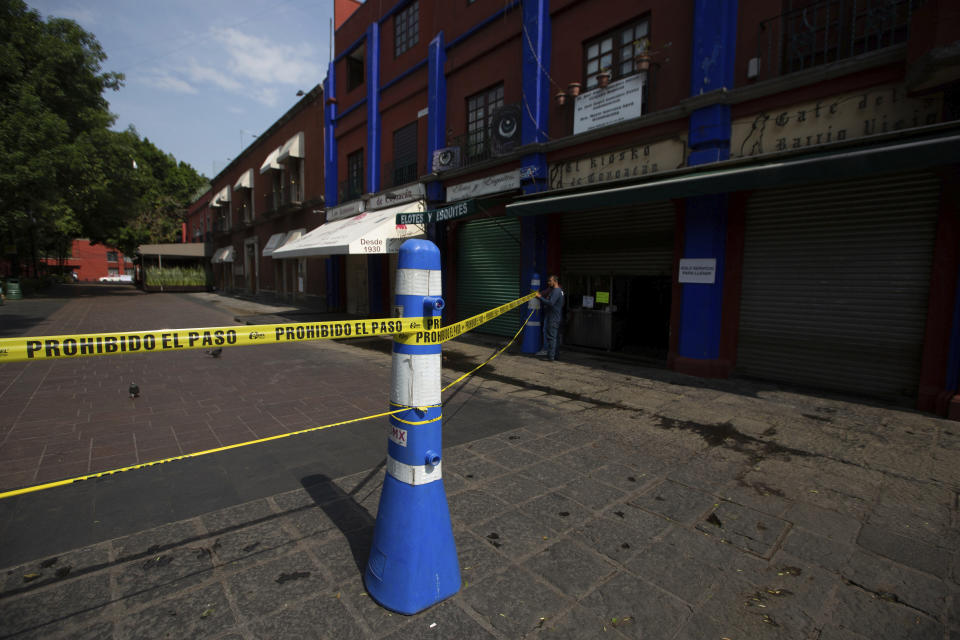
(346, 513)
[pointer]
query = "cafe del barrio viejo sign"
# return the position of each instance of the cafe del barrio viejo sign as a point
(834, 119)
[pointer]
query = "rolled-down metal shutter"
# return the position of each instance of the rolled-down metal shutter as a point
(835, 284)
(488, 271)
(632, 242)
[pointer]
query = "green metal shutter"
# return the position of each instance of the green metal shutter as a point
(488, 271)
(836, 280)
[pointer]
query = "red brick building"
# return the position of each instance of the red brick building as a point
(90, 262)
(729, 187)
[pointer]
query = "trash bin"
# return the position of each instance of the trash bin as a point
(13, 289)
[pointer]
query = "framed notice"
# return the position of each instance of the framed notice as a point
(698, 270)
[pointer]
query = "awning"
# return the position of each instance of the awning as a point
(288, 239)
(271, 162)
(223, 254)
(222, 197)
(292, 149)
(275, 241)
(245, 181)
(786, 169)
(366, 233)
(174, 249)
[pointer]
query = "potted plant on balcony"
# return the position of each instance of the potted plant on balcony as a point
(603, 78)
(642, 54)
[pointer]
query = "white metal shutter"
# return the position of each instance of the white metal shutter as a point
(835, 284)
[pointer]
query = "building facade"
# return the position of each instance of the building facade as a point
(752, 188)
(90, 262)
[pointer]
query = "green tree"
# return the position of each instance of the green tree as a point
(63, 172)
(51, 98)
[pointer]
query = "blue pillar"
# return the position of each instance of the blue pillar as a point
(436, 107)
(413, 559)
(702, 306)
(534, 113)
(712, 66)
(953, 360)
(373, 107)
(705, 228)
(331, 197)
(535, 107)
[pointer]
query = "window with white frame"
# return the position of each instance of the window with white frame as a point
(616, 51)
(406, 28)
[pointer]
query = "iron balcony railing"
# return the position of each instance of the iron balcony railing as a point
(819, 33)
(349, 190)
(398, 173)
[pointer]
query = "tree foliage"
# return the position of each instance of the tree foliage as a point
(63, 172)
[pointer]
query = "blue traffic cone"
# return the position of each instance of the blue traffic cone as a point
(413, 562)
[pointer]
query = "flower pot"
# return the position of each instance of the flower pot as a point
(573, 89)
(642, 62)
(561, 99)
(603, 79)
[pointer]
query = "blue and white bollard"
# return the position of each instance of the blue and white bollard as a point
(413, 562)
(532, 334)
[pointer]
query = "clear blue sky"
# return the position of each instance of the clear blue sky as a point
(203, 76)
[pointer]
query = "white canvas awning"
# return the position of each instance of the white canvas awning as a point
(271, 162)
(370, 232)
(275, 241)
(223, 254)
(222, 197)
(293, 148)
(245, 181)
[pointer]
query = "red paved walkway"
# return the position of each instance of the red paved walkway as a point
(68, 418)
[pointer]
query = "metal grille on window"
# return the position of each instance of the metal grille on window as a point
(355, 174)
(406, 28)
(480, 108)
(405, 154)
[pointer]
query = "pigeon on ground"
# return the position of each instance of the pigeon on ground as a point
(134, 390)
(215, 352)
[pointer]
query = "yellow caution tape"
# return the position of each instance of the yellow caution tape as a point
(197, 454)
(435, 336)
(418, 331)
(30, 348)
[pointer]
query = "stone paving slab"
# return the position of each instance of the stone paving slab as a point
(774, 520)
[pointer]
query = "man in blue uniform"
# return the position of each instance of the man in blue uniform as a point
(552, 301)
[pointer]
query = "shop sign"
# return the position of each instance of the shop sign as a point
(397, 196)
(622, 164)
(698, 270)
(347, 210)
(835, 119)
(491, 184)
(443, 214)
(620, 100)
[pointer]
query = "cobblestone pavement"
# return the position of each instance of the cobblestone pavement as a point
(615, 500)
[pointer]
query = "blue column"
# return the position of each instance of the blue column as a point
(331, 197)
(705, 237)
(373, 107)
(436, 107)
(535, 102)
(714, 49)
(705, 228)
(413, 559)
(534, 113)
(953, 360)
